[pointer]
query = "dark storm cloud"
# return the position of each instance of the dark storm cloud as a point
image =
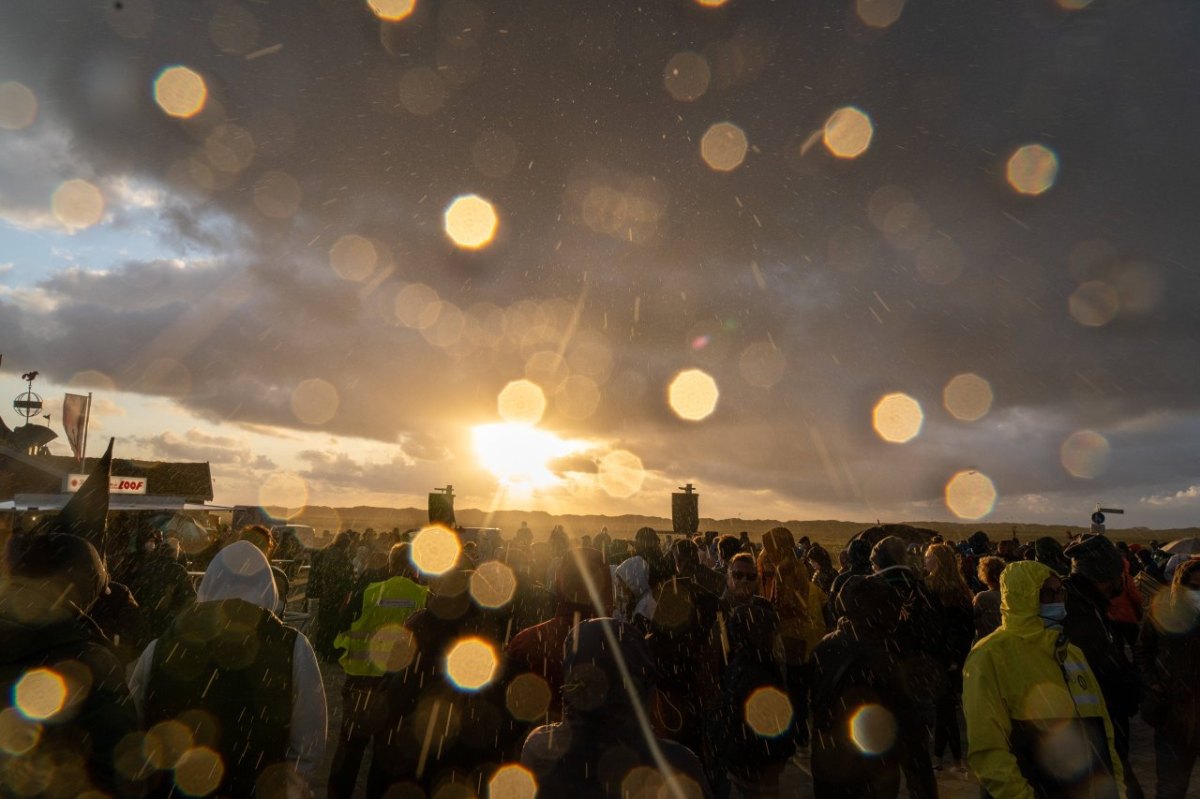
(557, 112)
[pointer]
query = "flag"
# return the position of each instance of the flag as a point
(86, 513)
(74, 421)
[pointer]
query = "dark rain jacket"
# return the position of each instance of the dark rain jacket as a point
(605, 735)
(1169, 657)
(1089, 627)
(83, 735)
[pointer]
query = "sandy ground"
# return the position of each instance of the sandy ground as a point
(796, 781)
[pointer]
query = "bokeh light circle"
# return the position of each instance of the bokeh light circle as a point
(873, 729)
(285, 490)
(723, 147)
(762, 364)
(768, 712)
(39, 694)
(693, 395)
(471, 221)
(521, 401)
(493, 584)
(527, 697)
(1094, 304)
(353, 258)
(687, 76)
(277, 194)
(897, 418)
(471, 663)
(180, 92)
(967, 397)
(77, 204)
(18, 734)
(848, 132)
(166, 743)
(1085, 454)
(18, 106)
(1032, 169)
(879, 13)
(512, 781)
(970, 495)
(621, 474)
(435, 550)
(199, 771)
(392, 10)
(392, 648)
(315, 401)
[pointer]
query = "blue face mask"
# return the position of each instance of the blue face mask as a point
(1052, 614)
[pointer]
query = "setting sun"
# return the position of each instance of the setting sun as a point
(520, 453)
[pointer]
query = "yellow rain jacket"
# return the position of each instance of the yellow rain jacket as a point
(1036, 721)
(377, 642)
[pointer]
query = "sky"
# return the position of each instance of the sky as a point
(857, 260)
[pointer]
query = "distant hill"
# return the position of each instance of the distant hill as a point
(826, 531)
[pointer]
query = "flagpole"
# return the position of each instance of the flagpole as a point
(87, 420)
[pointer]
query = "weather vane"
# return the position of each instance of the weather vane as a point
(28, 404)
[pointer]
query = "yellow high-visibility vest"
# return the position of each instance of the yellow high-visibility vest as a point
(377, 642)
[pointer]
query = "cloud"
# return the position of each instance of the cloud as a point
(621, 258)
(1186, 497)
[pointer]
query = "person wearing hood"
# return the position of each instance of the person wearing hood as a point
(1036, 720)
(634, 597)
(1169, 657)
(583, 588)
(605, 738)
(230, 659)
(64, 696)
(801, 608)
(1098, 576)
(858, 564)
(1048, 551)
(866, 728)
(921, 640)
(162, 588)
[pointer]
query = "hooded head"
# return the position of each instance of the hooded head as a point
(581, 572)
(1047, 550)
(1097, 559)
(239, 571)
(858, 553)
(1020, 596)
(869, 607)
(63, 569)
(595, 684)
(889, 552)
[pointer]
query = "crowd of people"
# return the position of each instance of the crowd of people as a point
(681, 666)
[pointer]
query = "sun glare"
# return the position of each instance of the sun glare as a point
(520, 453)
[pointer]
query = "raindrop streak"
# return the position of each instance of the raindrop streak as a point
(897, 418)
(470, 221)
(435, 550)
(1032, 169)
(180, 92)
(970, 495)
(693, 395)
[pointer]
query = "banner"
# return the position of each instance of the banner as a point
(116, 485)
(74, 421)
